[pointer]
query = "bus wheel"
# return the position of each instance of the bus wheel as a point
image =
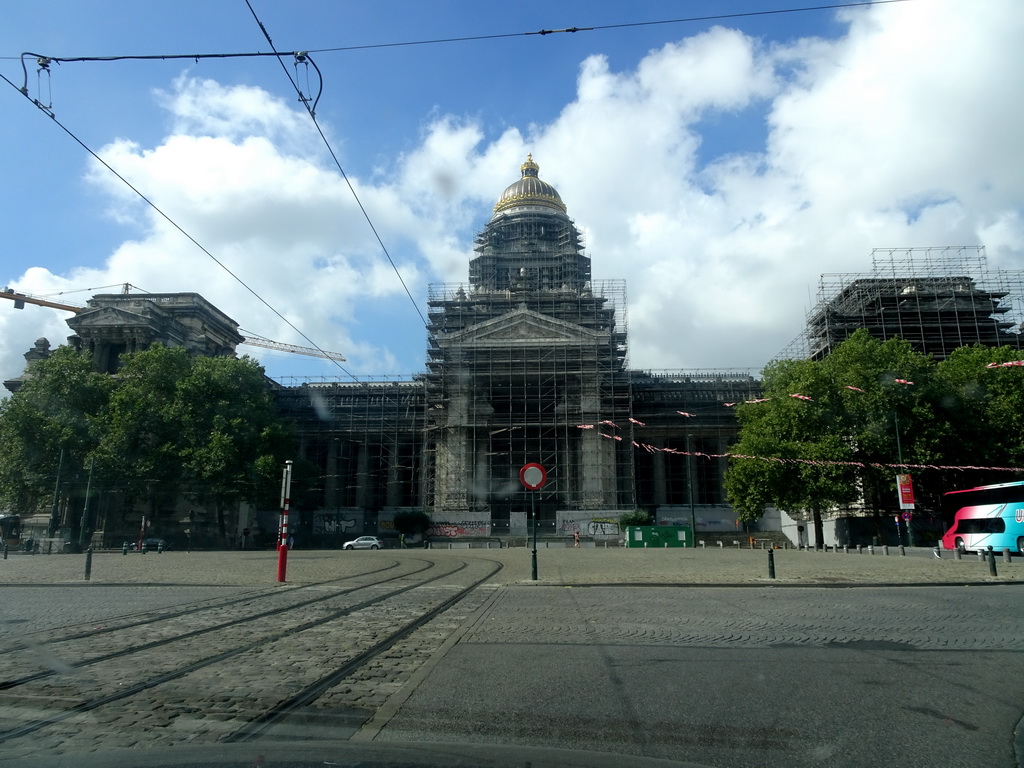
(959, 543)
(1020, 544)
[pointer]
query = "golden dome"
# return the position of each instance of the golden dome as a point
(529, 191)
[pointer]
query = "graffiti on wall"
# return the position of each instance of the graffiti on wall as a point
(587, 524)
(331, 523)
(603, 527)
(450, 530)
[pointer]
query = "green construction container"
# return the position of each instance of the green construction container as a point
(659, 536)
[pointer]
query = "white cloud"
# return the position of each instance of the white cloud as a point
(903, 132)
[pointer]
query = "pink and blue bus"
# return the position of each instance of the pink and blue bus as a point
(987, 516)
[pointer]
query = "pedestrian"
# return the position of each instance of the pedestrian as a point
(401, 540)
(576, 539)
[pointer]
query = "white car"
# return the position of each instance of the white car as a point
(364, 542)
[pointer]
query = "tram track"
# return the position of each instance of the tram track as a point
(123, 692)
(111, 624)
(113, 655)
(258, 725)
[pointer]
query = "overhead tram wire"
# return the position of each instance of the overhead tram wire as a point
(312, 116)
(175, 224)
(461, 39)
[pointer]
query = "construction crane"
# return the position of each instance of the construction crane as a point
(251, 339)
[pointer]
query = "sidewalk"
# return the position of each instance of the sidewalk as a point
(555, 566)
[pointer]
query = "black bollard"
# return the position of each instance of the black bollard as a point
(124, 548)
(1006, 554)
(88, 563)
(771, 564)
(5, 551)
(957, 553)
(992, 562)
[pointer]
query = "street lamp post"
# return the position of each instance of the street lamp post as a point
(85, 506)
(54, 519)
(689, 488)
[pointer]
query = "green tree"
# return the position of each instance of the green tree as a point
(634, 517)
(232, 440)
(167, 425)
(53, 420)
(984, 408)
(141, 445)
(818, 453)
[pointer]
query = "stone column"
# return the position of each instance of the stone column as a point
(363, 477)
(660, 488)
(393, 493)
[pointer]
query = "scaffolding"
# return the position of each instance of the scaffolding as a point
(360, 442)
(689, 423)
(527, 362)
(512, 376)
(937, 299)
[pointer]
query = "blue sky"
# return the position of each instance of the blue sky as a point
(719, 167)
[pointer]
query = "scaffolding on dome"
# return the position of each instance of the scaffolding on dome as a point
(937, 299)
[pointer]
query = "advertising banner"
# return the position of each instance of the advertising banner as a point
(906, 491)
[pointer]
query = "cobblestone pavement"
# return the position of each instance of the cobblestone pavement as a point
(223, 644)
(216, 665)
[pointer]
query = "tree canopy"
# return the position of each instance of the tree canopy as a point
(166, 424)
(833, 431)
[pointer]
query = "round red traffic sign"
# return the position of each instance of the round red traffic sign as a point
(533, 476)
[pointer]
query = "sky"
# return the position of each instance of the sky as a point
(719, 166)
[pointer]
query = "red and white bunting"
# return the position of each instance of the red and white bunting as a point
(684, 413)
(803, 397)
(609, 423)
(902, 381)
(584, 426)
(855, 389)
(638, 423)
(1005, 365)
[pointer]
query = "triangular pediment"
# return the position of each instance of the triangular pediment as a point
(104, 317)
(524, 326)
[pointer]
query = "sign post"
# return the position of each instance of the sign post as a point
(533, 476)
(282, 542)
(906, 493)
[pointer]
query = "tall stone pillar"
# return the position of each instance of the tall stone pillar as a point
(454, 458)
(393, 492)
(660, 488)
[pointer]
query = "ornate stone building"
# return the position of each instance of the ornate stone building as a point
(526, 362)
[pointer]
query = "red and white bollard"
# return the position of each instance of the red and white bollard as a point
(282, 542)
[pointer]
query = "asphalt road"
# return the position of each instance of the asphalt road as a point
(736, 677)
(842, 661)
